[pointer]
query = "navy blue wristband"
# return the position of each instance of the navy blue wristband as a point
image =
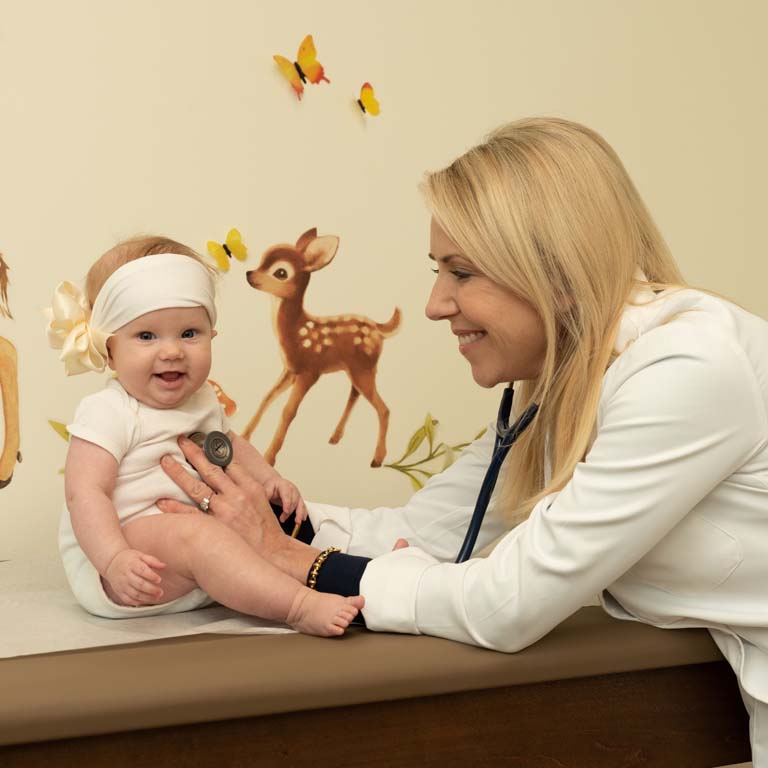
(340, 574)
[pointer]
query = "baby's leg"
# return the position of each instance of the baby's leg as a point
(200, 551)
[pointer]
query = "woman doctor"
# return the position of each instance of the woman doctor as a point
(642, 478)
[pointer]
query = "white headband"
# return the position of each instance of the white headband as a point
(144, 285)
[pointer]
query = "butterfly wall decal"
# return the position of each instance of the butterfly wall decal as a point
(223, 252)
(367, 101)
(305, 68)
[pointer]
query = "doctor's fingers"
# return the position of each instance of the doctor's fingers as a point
(177, 507)
(196, 489)
(214, 476)
(243, 480)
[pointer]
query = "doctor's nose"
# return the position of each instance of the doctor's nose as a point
(441, 304)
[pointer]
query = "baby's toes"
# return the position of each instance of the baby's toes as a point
(340, 621)
(348, 613)
(357, 602)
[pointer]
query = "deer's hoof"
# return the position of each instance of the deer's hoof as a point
(334, 439)
(376, 463)
(4, 483)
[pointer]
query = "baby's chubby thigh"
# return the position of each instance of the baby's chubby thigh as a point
(176, 540)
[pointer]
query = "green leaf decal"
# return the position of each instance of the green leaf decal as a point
(60, 429)
(426, 467)
(417, 438)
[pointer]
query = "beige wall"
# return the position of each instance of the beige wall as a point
(170, 116)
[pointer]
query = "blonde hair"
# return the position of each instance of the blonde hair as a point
(130, 250)
(545, 207)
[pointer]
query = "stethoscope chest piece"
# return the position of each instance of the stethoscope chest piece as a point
(216, 446)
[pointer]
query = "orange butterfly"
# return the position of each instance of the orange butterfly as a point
(367, 101)
(307, 67)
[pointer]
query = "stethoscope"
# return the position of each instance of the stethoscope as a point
(505, 438)
(217, 448)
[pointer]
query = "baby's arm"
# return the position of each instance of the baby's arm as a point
(89, 481)
(276, 486)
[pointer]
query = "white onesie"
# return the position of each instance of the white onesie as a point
(138, 437)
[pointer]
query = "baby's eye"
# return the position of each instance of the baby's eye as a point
(145, 335)
(190, 333)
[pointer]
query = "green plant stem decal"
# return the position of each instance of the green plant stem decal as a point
(417, 469)
(61, 430)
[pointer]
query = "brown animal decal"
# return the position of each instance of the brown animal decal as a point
(5, 310)
(9, 391)
(312, 346)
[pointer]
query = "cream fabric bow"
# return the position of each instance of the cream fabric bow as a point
(83, 348)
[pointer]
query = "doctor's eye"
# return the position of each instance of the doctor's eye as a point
(460, 274)
(145, 335)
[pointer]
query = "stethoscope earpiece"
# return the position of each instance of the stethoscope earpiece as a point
(216, 446)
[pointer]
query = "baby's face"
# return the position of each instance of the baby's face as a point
(163, 357)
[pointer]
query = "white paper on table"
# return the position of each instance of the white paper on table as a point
(38, 614)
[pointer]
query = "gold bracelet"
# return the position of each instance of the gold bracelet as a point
(318, 564)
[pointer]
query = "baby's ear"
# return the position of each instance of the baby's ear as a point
(109, 356)
(214, 333)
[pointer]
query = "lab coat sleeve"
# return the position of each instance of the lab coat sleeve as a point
(434, 519)
(678, 414)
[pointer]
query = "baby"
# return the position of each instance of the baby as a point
(148, 312)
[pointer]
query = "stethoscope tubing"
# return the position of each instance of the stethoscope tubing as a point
(505, 439)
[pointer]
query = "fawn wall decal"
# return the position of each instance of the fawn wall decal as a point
(312, 346)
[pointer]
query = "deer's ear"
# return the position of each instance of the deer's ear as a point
(320, 252)
(306, 239)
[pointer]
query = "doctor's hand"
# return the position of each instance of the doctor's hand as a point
(240, 502)
(233, 496)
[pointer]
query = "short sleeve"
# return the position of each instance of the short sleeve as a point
(106, 420)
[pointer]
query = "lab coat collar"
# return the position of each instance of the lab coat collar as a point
(638, 316)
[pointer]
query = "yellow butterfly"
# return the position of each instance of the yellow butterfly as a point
(223, 252)
(307, 67)
(367, 101)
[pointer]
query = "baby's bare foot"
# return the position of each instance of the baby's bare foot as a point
(323, 614)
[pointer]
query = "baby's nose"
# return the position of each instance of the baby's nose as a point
(171, 349)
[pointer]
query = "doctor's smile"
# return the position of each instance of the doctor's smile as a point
(500, 334)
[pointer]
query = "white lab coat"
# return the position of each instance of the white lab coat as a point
(666, 519)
